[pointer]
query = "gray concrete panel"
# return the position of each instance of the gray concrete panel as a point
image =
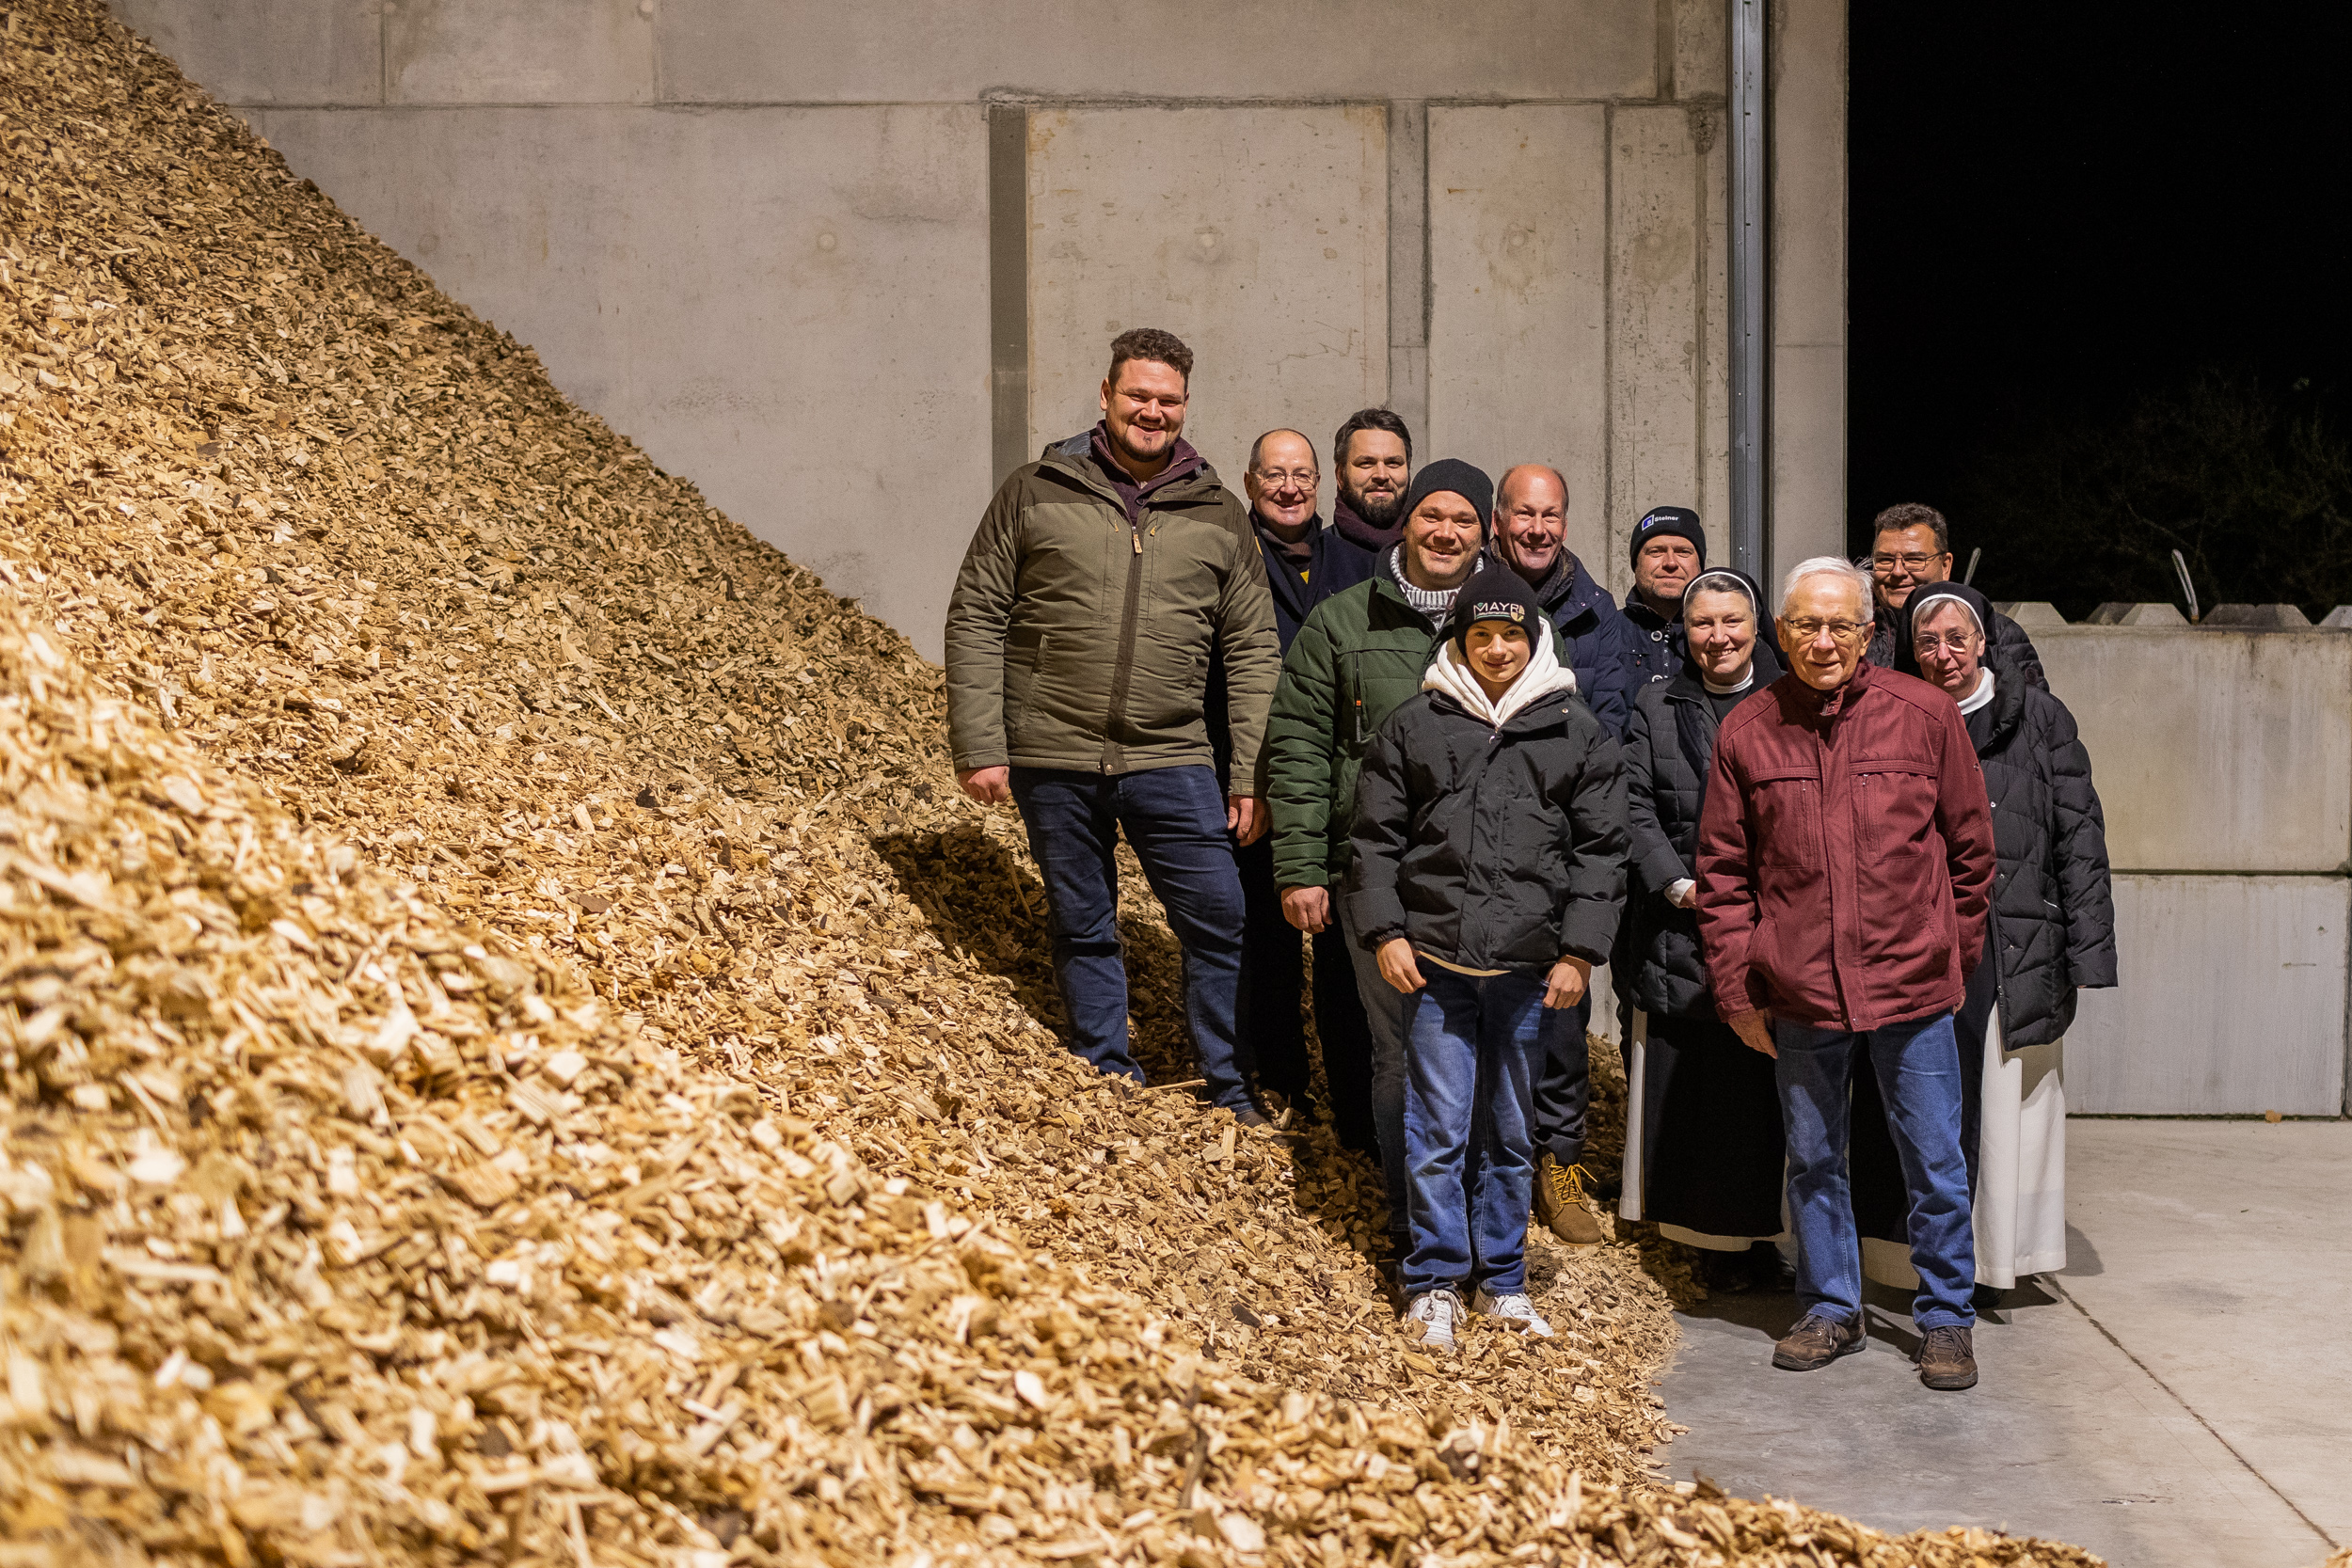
(1715, 338)
(1408, 266)
(1807, 44)
(787, 306)
(1258, 235)
(1701, 57)
(2231, 1000)
(897, 51)
(1656, 367)
(268, 51)
(518, 51)
(2212, 750)
(2148, 1404)
(1519, 257)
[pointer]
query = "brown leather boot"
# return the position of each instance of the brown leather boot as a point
(1561, 1203)
(1948, 1358)
(1816, 1341)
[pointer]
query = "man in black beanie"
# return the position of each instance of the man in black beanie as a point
(1669, 548)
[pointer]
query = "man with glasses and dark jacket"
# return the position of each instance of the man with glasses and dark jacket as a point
(1100, 580)
(1306, 563)
(1911, 546)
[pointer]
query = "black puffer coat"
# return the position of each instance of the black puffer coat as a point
(1490, 848)
(2054, 915)
(1669, 752)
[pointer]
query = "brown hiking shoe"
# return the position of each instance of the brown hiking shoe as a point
(1561, 1203)
(1948, 1358)
(1816, 1342)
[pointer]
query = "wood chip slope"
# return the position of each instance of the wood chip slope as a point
(515, 1049)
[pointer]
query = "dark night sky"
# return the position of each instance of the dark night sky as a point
(2055, 206)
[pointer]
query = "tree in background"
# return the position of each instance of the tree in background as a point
(2251, 485)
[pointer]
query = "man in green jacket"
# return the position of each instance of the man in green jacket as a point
(1360, 654)
(1078, 645)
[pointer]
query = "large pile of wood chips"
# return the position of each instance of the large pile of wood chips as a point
(515, 1049)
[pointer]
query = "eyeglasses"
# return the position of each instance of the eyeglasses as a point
(1305, 479)
(1958, 641)
(1908, 563)
(1806, 628)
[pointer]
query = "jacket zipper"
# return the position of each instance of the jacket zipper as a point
(1126, 646)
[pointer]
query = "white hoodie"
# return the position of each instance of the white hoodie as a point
(1544, 677)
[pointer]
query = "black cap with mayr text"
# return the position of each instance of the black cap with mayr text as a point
(1658, 521)
(1496, 594)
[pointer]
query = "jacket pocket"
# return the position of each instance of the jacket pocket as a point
(1787, 806)
(1894, 806)
(1025, 650)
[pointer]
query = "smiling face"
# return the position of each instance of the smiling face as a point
(1531, 519)
(1949, 646)
(1904, 560)
(1442, 540)
(1281, 482)
(1824, 627)
(1372, 480)
(1143, 404)
(1720, 626)
(1664, 568)
(1496, 652)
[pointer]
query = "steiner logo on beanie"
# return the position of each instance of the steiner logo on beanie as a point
(1659, 522)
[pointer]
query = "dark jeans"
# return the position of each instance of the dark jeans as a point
(1564, 1084)
(1918, 1072)
(1384, 1022)
(1472, 1044)
(1272, 1024)
(1174, 818)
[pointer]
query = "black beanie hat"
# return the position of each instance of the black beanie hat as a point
(1495, 593)
(1451, 473)
(1658, 521)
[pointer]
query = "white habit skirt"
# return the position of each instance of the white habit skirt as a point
(2020, 1215)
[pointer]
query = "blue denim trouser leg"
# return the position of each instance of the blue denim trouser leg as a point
(1384, 1021)
(1472, 1048)
(1919, 1075)
(1174, 819)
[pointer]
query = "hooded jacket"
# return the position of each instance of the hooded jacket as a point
(1360, 653)
(1669, 752)
(1844, 855)
(1081, 625)
(2053, 909)
(1490, 834)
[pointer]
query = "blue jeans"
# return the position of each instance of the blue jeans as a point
(1919, 1070)
(1174, 818)
(1384, 1022)
(1472, 1048)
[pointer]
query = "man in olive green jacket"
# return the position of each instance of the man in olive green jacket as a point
(1361, 653)
(1078, 645)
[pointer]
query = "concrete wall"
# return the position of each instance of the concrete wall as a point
(758, 235)
(2223, 759)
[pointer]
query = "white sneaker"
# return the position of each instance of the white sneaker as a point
(1515, 1309)
(1439, 1312)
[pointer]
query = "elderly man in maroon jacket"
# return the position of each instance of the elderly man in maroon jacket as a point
(1845, 866)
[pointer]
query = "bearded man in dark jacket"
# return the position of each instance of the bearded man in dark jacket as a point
(1669, 549)
(1372, 459)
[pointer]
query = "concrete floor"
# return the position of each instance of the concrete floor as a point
(2180, 1395)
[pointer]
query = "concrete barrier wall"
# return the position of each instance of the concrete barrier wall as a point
(756, 235)
(2223, 758)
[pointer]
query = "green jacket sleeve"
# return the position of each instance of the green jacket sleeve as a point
(1253, 659)
(1301, 761)
(1596, 848)
(979, 613)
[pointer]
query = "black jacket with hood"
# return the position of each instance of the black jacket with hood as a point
(1490, 848)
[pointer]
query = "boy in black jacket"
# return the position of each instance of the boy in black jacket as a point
(1490, 844)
